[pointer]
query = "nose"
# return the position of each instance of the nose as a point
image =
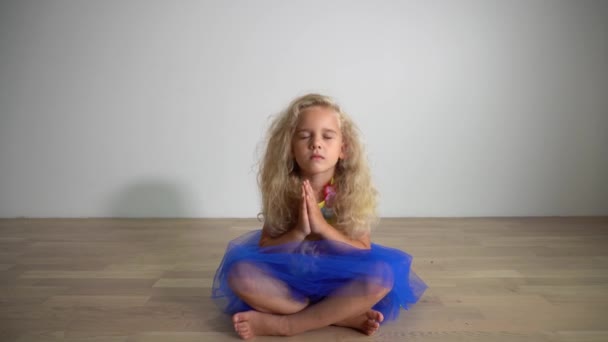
(315, 143)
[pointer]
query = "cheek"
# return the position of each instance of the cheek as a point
(297, 148)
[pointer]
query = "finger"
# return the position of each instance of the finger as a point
(310, 191)
(310, 194)
(310, 202)
(305, 211)
(304, 195)
(304, 199)
(306, 192)
(308, 188)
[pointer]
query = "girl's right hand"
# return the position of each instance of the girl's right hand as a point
(303, 222)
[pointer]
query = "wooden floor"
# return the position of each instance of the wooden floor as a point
(515, 279)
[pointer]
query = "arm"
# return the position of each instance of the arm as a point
(319, 226)
(292, 235)
(328, 232)
(296, 234)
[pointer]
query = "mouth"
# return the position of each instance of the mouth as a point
(316, 157)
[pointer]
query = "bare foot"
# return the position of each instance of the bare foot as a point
(249, 324)
(368, 323)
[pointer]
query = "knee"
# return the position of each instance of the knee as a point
(381, 283)
(241, 277)
(376, 290)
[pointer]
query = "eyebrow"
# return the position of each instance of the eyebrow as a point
(325, 130)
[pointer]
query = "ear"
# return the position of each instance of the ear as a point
(343, 150)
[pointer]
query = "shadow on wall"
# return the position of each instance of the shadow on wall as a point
(150, 199)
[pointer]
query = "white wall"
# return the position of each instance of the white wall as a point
(157, 108)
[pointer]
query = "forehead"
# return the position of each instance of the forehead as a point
(317, 116)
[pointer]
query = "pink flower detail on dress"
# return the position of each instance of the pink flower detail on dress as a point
(329, 192)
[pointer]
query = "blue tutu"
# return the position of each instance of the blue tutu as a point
(315, 269)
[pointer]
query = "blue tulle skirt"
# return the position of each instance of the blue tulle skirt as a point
(313, 270)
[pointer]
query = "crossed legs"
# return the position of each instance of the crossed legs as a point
(277, 313)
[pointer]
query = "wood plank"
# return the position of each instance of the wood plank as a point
(491, 279)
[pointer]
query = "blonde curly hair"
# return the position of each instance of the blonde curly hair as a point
(279, 179)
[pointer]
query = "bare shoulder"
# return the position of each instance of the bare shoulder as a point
(363, 238)
(269, 232)
(266, 231)
(366, 240)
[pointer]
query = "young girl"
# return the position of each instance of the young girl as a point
(313, 264)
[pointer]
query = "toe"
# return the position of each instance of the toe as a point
(375, 315)
(236, 318)
(243, 335)
(372, 328)
(244, 332)
(241, 327)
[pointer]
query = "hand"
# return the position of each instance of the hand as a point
(303, 222)
(316, 221)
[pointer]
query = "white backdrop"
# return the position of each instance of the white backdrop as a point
(157, 108)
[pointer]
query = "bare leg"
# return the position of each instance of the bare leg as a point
(261, 291)
(346, 306)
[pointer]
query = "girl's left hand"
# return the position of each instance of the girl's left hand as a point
(315, 217)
